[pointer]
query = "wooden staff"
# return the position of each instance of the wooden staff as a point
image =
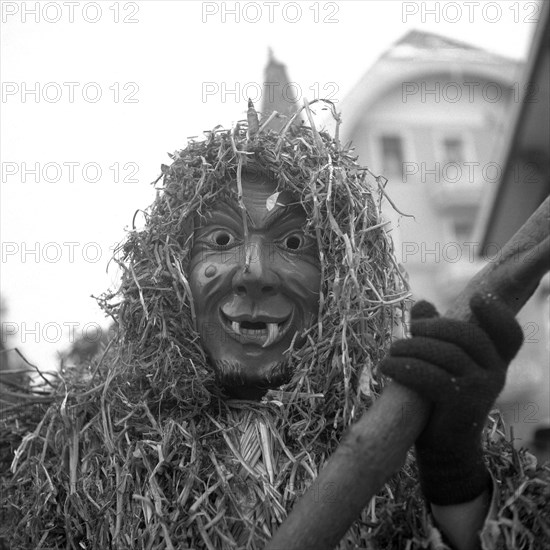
(376, 446)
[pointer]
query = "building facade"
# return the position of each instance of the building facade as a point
(428, 116)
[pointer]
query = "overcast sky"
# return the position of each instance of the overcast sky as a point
(119, 84)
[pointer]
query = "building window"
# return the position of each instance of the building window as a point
(392, 155)
(463, 230)
(453, 150)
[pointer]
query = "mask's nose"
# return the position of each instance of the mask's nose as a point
(259, 279)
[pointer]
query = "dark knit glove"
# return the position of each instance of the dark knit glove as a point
(460, 368)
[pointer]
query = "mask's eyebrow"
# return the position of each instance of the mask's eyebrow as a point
(278, 214)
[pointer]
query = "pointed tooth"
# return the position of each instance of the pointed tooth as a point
(236, 327)
(272, 333)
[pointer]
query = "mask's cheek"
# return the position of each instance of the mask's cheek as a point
(210, 278)
(206, 304)
(303, 282)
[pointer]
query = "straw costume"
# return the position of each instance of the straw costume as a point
(148, 451)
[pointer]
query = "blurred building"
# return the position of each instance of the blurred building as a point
(279, 94)
(428, 116)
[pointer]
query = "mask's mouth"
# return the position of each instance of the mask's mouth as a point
(261, 331)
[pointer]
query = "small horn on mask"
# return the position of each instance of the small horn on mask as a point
(252, 117)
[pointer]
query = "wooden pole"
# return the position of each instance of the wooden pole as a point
(375, 447)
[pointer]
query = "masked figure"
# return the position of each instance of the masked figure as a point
(253, 308)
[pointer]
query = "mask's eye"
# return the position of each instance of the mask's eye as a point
(222, 238)
(294, 241)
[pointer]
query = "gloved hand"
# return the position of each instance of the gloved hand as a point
(460, 368)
